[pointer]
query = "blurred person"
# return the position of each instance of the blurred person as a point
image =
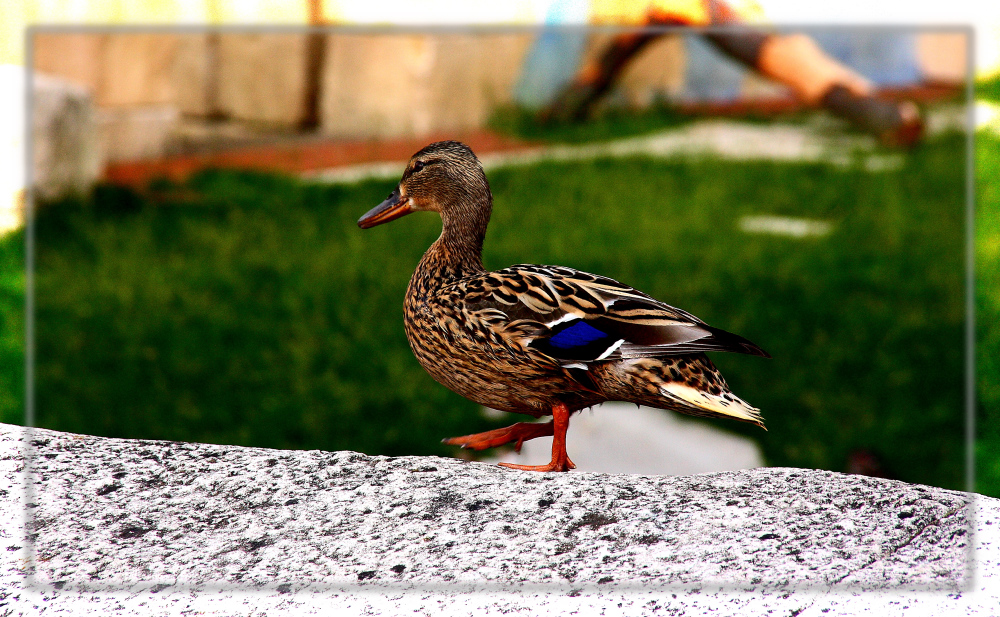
(794, 60)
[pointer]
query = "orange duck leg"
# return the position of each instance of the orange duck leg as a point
(560, 460)
(521, 432)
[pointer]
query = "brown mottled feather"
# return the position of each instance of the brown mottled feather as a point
(491, 336)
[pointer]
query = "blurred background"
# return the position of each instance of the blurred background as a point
(198, 274)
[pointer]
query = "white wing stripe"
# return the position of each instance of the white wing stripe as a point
(611, 350)
(564, 318)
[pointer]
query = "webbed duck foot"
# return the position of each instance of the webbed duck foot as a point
(557, 428)
(520, 432)
(560, 464)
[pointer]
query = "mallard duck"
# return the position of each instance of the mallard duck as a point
(541, 340)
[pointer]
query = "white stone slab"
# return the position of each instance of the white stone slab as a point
(66, 157)
(138, 527)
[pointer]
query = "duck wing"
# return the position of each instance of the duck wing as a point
(577, 317)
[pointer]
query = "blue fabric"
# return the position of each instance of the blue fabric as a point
(579, 334)
(555, 55)
(711, 75)
(549, 66)
(887, 56)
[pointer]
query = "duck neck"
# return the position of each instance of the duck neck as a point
(458, 252)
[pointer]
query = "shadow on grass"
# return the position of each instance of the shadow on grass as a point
(608, 123)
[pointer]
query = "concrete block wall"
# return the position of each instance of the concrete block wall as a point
(120, 70)
(379, 85)
(66, 158)
(74, 57)
(130, 78)
(195, 65)
(374, 85)
(370, 85)
(262, 78)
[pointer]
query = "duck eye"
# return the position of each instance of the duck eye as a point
(417, 167)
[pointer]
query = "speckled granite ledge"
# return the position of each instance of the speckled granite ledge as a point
(175, 520)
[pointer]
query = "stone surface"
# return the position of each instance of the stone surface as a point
(179, 528)
(135, 133)
(262, 77)
(65, 152)
(943, 56)
(400, 85)
(137, 70)
(120, 69)
(74, 57)
(195, 74)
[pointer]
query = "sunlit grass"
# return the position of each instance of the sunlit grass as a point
(988, 313)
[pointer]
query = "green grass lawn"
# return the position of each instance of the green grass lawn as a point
(989, 89)
(249, 309)
(12, 328)
(988, 314)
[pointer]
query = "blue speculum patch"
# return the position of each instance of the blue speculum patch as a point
(577, 335)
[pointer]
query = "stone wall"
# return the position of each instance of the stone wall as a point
(382, 85)
(369, 85)
(120, 70)
(65, 151)
(262, 78)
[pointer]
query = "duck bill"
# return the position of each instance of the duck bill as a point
(389, 210)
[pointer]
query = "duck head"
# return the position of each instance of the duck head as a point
(444, 177)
